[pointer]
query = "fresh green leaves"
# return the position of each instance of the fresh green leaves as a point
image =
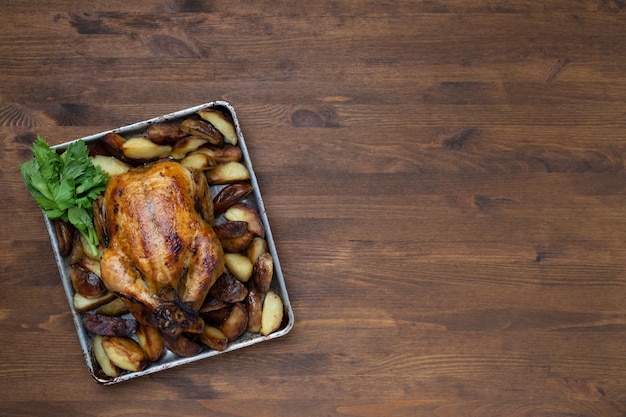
(65, 185)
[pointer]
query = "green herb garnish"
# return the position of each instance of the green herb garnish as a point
(65, 185)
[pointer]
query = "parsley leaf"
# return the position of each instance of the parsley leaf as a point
(65, 185)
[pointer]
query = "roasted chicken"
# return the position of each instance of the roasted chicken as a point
(161, 254)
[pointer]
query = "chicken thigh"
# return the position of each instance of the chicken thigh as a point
(161, 254)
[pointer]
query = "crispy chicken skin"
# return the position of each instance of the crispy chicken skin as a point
(161, 255)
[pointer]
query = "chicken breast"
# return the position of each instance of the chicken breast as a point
(161, 254)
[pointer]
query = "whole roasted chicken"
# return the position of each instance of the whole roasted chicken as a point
(161, 254)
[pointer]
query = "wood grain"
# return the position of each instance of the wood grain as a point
(444, 180)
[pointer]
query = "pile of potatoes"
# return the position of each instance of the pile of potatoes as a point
(241, 300)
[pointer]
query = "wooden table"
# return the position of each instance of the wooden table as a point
(444, 180)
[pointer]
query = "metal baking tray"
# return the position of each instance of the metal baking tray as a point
(169, 359)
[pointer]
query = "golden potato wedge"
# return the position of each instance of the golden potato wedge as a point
(236, 322)
(202, 129)
(125, 353)
(85, 282)
(237, 244)
(213, 338)
(239, 265)
(103, 360)
(82, 304)
(272, 315)
(246, 213)
(143, 149)
(110, 164)
(254, 306)
(263, 272)
(226, 153)
(186, 145)
(221, 123)
(231, 195)
(150, 340)
(199, 161)
(166, 133)
(114, 308)
(257, 247)
(227, 173)
(229, 230)
(229, 289)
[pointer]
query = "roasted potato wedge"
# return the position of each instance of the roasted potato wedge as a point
(239, 265)
(107, 367)
(64, 233)
(199, 161)
(227, 173)
(186, 145)
(143, 149)
(236, 322)
(211, 304)
(182, 346)
(272, 315)
(263, 272)
(83, 304)
(202, 129)
(110, 164)
(228, 289)
(221, 123)
(231, 195)
(114, 144)
(216, 317)
(125, 353)
(213, 338)
(150, 340)
(254, 306)
(226, 153)
(237, 244)
(86, 283)
(166, 133)
(115, 308)
(109, 326)
(257, 247)
(230, 230)
(246, 213)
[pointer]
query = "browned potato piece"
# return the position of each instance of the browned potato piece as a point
(254, 306)
(227, 173)
(246, 213)
(211, 304)
(109, 326)
(213, 338)
(229, 230)
(64, 233)
(230, 195)
(186, 145)
(216, 317)
(114, 308)
(166, 133)
(272, 315)
(78, 252)
(229, 289)
(221, 123)
(202, 129)
(236, 322)
(263, 272)
(182, 346)
(86, 283)
(150, 340)
(198, 161)
(226, 153)
(124, 353)
(257, 247)
(114, 144)
(103, 360)
(82, 304)
(237, 244)
(239, 265)
(143, 149)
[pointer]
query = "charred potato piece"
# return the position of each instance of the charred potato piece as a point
(83, 304)
(257, 247)
(246, 213)
(86, 283)
(143, 149)
(254, 306)
(263, 272)
(272, 315)
(186, 145)
(231, 195)
(202, 129)
(64, 233)
(226, 153)
(110, 164)
(239, 265)
(213, 338)
(150, 340)
(221, 123)
(109, 326)
(237, 244)
(236, 322)
(166, 133)
(227, 173)
(103, 360)
(228, 289)
(229, 230)
(124, 353)
(114, 308)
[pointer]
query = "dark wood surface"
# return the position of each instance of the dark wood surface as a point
(444, 180)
